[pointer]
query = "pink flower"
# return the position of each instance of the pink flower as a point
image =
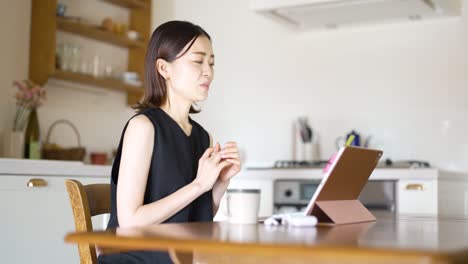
(29, 95)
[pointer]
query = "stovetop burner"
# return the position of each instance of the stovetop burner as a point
(300, 164)
(387, 163)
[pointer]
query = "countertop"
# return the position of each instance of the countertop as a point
(52, 168)
(378, 174)
(77, 168)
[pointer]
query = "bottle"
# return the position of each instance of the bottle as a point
(96, 69)
(32, 146)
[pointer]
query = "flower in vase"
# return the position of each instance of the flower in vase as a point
(28, 97)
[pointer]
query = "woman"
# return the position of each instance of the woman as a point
(166, 170)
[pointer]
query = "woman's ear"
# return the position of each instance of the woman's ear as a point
(162, 68)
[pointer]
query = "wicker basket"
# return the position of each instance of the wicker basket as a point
(53, 152)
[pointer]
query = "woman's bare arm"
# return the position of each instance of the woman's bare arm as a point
(133, 174)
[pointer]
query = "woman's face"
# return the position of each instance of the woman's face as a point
(190, 76)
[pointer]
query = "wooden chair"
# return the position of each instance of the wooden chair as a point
(87, 201)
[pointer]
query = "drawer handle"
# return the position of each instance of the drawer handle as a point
(36, 183)
(415, 187)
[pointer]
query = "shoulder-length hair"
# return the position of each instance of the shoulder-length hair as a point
(166, 42)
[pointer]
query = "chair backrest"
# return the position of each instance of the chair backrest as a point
(87, 201)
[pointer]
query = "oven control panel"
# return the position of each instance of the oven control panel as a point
(294, 192)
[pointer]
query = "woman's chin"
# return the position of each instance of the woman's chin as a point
(202, 97)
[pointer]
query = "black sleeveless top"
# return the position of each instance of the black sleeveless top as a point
(174, 164)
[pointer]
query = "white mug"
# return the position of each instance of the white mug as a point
(243, 205)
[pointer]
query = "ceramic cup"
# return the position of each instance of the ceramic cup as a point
(243, 205)
(98, 158)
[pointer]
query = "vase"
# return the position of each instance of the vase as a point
(13, 144)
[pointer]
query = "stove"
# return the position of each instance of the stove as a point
(319, 164)
(403, 164)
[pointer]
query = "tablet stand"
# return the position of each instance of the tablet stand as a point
(342, 212)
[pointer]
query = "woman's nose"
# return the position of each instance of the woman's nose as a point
(208, 71)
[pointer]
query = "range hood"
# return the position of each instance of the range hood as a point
(316, 14)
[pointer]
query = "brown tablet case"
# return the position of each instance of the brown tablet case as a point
(342, 212)
(337, 199)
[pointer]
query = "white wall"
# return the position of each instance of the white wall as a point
(99, 114)
(405, 84)
(14, 52)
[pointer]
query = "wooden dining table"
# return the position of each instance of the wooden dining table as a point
(390, 239)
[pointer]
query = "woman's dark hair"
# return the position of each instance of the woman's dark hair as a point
(167, 41)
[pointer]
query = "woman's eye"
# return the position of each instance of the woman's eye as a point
(199, 62)
(212, 65)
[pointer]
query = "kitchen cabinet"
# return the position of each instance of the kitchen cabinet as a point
(45, 24)
(424, 192)
(417, 197)
(446, 197)
(36, 215)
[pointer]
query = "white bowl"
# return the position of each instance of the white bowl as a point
(129, 75)
(132, 35)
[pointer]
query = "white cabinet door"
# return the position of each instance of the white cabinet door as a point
(453, 198)
(417, 197)
(35, 220)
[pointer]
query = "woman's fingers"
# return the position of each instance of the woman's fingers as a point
(230, 152)
(230, 156)
(217, 147)
(216, 157)
(230, 144)
(233, 161)
(223, 164)
(207, 153)
(229, 149)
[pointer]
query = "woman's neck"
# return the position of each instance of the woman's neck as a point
(178, 112)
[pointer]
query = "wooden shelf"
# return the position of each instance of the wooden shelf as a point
(107, 83)
(43, 37)
(128, 3)
(97, 33)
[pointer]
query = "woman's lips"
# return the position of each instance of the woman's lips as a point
(206, 86)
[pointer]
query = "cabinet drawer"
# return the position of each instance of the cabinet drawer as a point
(417, 197)
(44, 183)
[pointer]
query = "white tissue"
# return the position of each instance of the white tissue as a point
(291, 220)
(271, 222)
(308, 220)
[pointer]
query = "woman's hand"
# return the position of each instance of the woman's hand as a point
(230, 153)
(210, 166)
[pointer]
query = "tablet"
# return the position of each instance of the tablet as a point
(346, 176)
